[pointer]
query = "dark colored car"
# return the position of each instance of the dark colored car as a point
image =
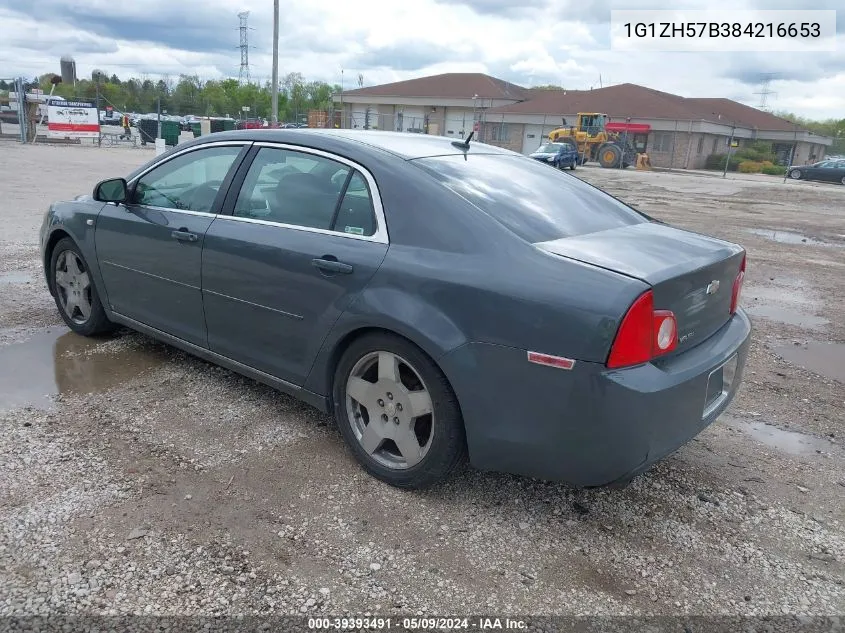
(560, 155)
(438, 298)
(825, 171)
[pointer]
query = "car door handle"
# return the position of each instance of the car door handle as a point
(331, 265)
(183, 235)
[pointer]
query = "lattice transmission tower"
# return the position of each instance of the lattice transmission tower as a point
(243, 76)
(765, 92)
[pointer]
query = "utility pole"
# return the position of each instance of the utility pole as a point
(730, 147)
(275, 92)
(99, 133)
(793, 152)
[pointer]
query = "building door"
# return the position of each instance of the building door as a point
(413, 120)
(532, 138)
(458, 124)
(640, 142)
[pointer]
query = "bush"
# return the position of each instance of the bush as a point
(750, 167)
(717, 161)
(757, 152)
(774, 170)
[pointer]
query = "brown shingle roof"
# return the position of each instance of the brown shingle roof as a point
(447, 86)
(639, 102)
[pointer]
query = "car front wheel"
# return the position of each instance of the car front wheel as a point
(795, 174)
(74, 291)
(397, 412)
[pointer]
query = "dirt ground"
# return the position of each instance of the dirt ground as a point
(137, 479)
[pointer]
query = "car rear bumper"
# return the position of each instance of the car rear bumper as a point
(588, 426)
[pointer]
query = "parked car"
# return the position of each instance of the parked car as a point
(249, 124)
(560, 155)
(438, 297)
(825, 171)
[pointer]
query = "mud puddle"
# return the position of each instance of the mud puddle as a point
(798, 444)
(786, 315)
(58, 361)
(790, 237)
(825, 359)
(785, 302)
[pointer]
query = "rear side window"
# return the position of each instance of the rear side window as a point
(537, 203)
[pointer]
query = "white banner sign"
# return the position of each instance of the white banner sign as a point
(72, 119)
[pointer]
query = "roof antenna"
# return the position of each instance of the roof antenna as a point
(464, 144)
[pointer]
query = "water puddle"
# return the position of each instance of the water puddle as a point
(59, 362)
(790, 237)
(785, 301)
(787, 441)
(785, 315)
(825, 359)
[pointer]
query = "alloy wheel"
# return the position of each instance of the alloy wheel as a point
(390, 410)
(73, 285)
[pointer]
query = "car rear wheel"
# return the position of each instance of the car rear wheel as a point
(842, 180)
(397, 412)
(74, 291)
(795, 174)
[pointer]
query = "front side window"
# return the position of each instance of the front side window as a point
(307, 190)
(189, 182)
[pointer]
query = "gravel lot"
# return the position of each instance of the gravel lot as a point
(136, 479)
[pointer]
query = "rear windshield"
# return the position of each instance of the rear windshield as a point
(534, 200)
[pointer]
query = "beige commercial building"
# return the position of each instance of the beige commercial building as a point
(675, 131)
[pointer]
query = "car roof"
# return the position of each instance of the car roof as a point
(406, 145)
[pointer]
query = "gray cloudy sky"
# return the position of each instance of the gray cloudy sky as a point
(525, 41)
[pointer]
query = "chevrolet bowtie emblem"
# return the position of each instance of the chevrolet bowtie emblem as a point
(713, 287)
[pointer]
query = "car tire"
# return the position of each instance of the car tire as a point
(842, 180)
(394, 369)
(795, 174)
(572, 167)
(75, 292)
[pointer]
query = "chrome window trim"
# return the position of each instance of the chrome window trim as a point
(187, 150)
(205, 214)
(380, 236)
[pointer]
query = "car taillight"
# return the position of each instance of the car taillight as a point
(644, 334)
(740, 277)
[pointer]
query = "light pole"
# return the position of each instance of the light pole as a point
(730, 147)
(274, 115)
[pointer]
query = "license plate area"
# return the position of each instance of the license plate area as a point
(719, 384)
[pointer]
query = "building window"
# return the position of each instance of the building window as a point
(499, 132)
(715, 145)
(662, 142)
(700, 145)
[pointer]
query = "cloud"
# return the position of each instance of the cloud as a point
(752, 68)
(411, 55)
(529, 42)
(504, 8)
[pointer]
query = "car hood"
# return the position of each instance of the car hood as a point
(541, 155)
(85, 197)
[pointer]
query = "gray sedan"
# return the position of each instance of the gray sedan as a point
(442, 299)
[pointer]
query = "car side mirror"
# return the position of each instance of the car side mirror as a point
(112, 190)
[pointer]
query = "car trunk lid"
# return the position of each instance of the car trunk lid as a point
(690, 274)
